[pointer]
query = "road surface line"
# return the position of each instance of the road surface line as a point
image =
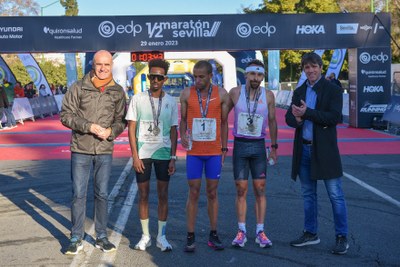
(373, 189)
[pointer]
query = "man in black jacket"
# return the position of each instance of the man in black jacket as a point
(314, 113)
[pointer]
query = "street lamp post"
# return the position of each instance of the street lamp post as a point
(43, 7)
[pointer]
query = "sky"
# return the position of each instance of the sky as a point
(153, 7)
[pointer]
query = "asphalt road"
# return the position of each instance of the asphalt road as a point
(34, 218)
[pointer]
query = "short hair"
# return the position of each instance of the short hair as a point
(311, 58)
(256, 62)
(203, 64)
(159, 63)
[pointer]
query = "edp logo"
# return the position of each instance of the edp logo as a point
(366, 57)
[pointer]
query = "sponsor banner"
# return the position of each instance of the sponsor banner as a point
(71, 70)
(242, 58)
(369, 85)
(336, 62)
(5, 72)
(88, 62)
(392, 112)
(34, 71)
(217, 77)
(273, 69)
(193, 32)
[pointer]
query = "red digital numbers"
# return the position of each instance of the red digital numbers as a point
(146, 56)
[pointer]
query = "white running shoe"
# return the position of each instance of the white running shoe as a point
(144, 243)
(163, 244)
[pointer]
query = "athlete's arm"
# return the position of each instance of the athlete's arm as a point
(137, 163)
(183, 124)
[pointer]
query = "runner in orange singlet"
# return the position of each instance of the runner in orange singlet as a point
(204, 110)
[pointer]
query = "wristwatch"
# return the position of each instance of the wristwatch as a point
(224, 149)
(173, 157)
(275, 146)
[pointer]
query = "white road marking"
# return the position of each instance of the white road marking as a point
(372, 189)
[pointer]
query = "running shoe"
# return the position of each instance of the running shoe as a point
(144, 243)
(214, 242)
(104, 244)
(263, 240)
(190, 244)
(75, 246)
(305, 240)
(240, 239)
(341, 245)
(163, 244)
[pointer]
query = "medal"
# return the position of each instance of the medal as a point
(156, 130)
(250, 119)
(251, 127)
(156, 116)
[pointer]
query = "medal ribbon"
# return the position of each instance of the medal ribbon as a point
(257, 96)
(155, 116)
(204, 112)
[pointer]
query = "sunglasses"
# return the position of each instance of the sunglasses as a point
(159, 77)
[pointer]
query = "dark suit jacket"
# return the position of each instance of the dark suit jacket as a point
(325, 158)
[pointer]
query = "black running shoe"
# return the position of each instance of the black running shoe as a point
(305, 240)
(104, 244)
(341, 246)
(190, 245)
(214, 242)
(74, 247)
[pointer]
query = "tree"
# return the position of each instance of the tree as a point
(19, 8)
(290, 60)
(71, 7)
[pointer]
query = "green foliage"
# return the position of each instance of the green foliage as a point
(290, 59)
(71, 7)
(54, 72)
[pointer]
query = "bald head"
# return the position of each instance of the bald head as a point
(102, 64)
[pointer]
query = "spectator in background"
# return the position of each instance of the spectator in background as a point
(18, 90)
(332, 78)
(9, 89)
(42, 91)
(53, 89)
(3, 105)
(30, 91)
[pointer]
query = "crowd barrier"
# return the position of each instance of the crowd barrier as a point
(38, 107)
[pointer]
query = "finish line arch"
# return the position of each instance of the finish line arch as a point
(364, 34)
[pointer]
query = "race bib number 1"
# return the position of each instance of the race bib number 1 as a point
(204, 129)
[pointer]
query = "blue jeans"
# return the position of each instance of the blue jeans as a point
(81, 167)
(10, 116)
(309, 192)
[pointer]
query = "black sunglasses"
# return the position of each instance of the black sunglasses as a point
(159, 77)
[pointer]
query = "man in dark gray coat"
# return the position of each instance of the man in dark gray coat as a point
(314, 112)
(94, 109)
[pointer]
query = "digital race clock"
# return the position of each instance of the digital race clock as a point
(146, 56)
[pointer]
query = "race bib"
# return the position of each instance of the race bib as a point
(250, 129)
(148, 132)
(204, 129)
